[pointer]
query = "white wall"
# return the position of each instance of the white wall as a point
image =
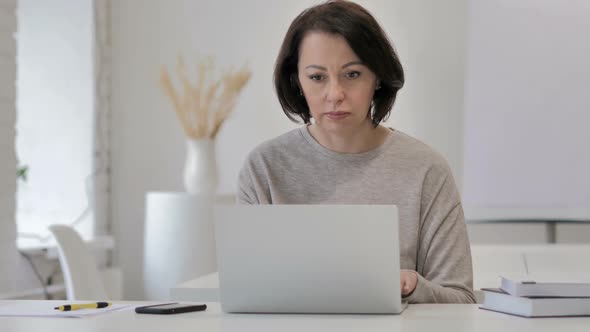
(527, 107)
(430, 36)
(526, 117)
(55, 103)
(8, 254)
(147, 143)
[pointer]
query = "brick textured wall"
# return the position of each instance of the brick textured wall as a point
(8, 254)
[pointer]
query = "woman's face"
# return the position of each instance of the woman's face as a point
(337, 87)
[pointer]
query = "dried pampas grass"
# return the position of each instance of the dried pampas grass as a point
(202, 107)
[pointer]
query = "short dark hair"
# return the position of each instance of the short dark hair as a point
(364, 36)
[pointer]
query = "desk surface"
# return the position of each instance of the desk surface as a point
(421, 317)
(204, 289)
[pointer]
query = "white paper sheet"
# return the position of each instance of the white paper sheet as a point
(46, 309)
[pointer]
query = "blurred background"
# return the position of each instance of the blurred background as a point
(498, 87)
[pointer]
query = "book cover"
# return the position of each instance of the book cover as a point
(547, 286)
(498, 300)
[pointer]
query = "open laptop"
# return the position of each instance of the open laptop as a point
(308, 258)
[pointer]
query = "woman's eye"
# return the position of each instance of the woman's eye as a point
(353, 74)
(316, 77)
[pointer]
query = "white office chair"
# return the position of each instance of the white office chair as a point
(81, 276)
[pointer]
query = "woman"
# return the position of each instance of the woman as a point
(337, 67)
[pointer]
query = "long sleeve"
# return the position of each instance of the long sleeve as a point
(246, 193)
(295, 169)
(444, 255)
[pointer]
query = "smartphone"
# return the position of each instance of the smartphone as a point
(170, 308)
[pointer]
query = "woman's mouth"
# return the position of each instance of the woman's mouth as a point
(337, 115)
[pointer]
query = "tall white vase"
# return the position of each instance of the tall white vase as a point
(200, 169)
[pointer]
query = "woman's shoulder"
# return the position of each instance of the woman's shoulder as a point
(277, 146)
(416, 152)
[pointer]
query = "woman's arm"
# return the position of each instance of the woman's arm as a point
(246, 190)
(444, 267)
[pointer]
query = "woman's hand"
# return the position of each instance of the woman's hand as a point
(408, 281)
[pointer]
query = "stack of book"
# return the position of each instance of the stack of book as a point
(539, 297)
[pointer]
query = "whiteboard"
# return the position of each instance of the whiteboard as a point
(527, 110)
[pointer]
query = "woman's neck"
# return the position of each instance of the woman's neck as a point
(357, 141)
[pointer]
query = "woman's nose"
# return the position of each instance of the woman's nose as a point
(335, 92)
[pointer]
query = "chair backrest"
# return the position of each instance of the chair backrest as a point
(81, 275)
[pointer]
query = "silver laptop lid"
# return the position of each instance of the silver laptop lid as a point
(308, 258)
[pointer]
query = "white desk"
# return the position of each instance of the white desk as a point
(420, 317)
(204, 289)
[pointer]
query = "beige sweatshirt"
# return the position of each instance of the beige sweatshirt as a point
(295, 169)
